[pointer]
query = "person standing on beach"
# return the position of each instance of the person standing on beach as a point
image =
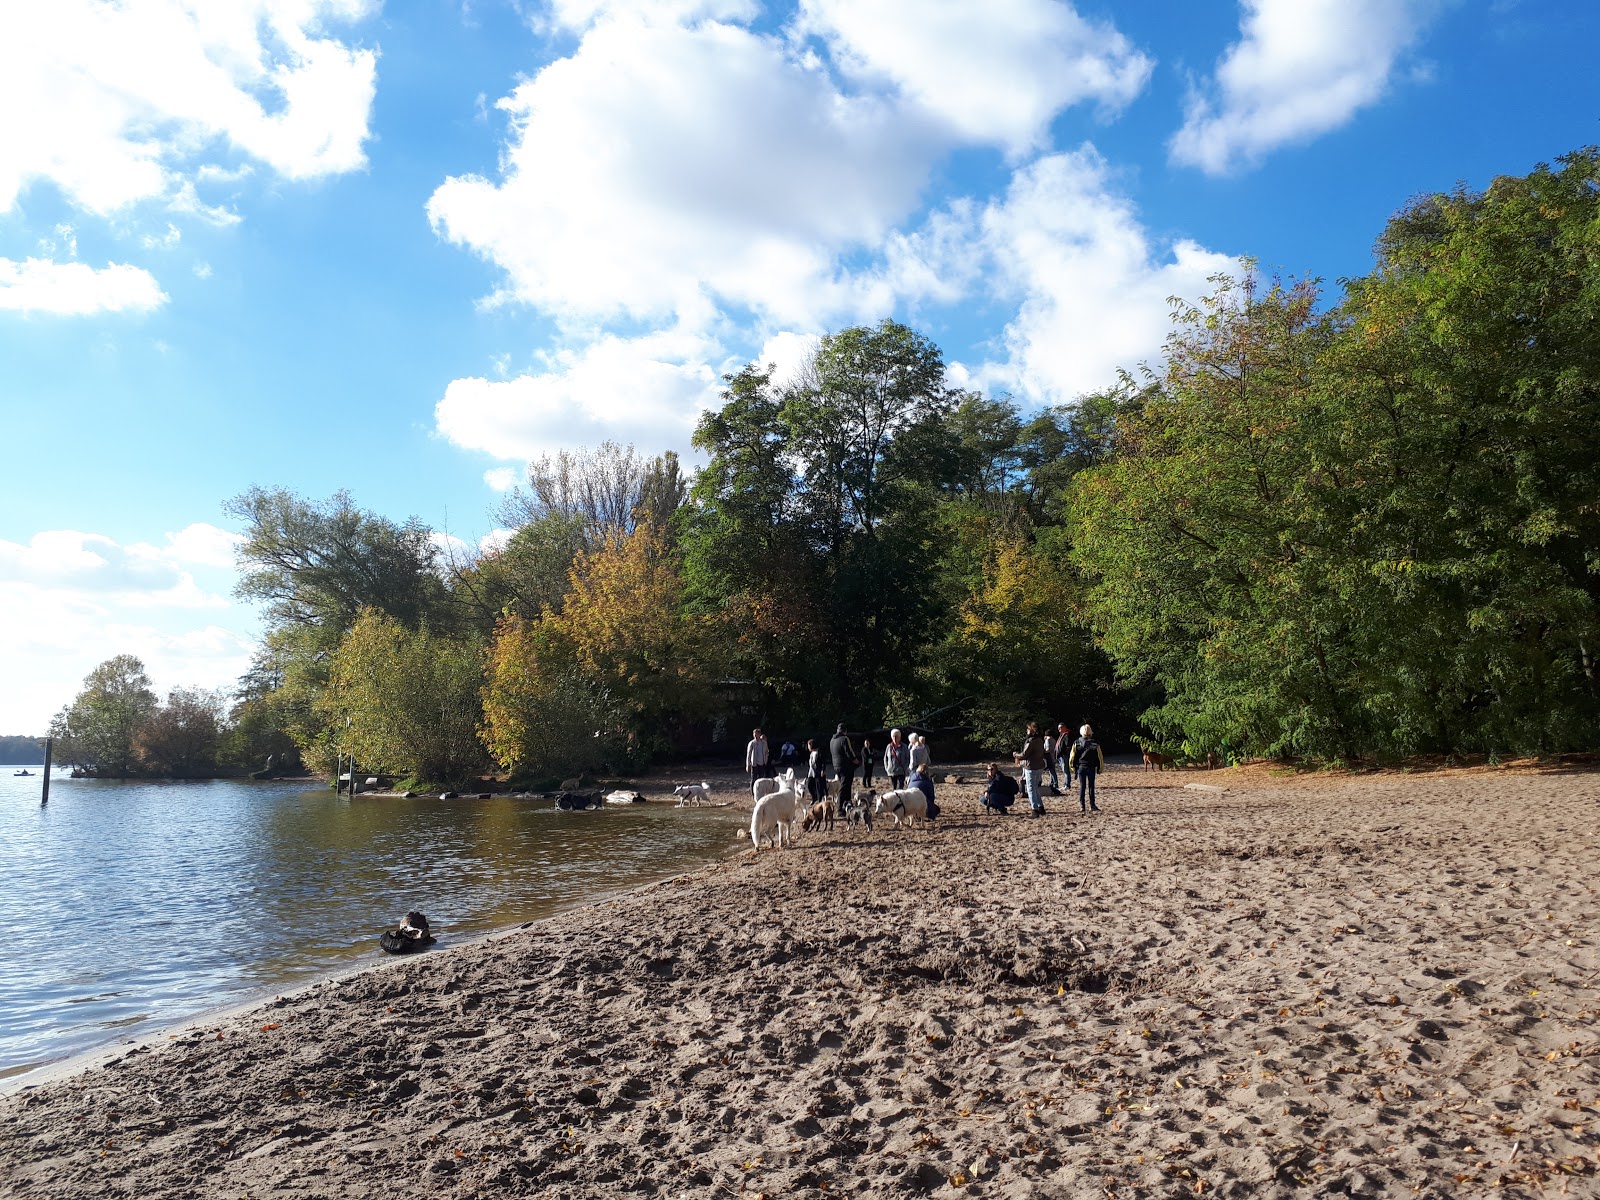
(1050, 756)
(844, 764)
(1064, 753)
(866, 763)
(896, 760)
(1031, 756)
(1087, 760)
(756, 757)
(816, 772)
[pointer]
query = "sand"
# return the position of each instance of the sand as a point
(1373, 986)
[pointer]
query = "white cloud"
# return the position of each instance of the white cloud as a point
(786, 353)
(580, 14)
(164, 241)
(452, 550)
(495, 540)
(1300, 69)
(38, 285)
(682, 193)
(993, 73)
(121, 99)
(647, 391)
(1091, 288)
(70, 600)
(201, 544)
(662, 171)
(500, 479)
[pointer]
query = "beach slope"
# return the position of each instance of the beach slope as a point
(1373, 986)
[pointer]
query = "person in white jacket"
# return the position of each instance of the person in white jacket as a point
(758, 756)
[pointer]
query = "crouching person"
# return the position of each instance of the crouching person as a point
(1001, 793)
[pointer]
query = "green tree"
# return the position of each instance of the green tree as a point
(1474, 353)
(96, 732)
(1217, 569)
(319, 565)
(410, 697)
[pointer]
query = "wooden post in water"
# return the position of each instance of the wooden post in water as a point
(49, 748)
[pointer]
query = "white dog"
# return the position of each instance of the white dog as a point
(773, 817)
(692, 793)
(906, 803)
(765, 787)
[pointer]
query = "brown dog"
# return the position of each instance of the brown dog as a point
(818, 816)
(1158, 761)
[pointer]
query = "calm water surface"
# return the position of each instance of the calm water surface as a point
(129, 905)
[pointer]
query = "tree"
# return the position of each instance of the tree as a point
(1018, 649)
(608, 488)
(1218, 569)
(180, 739)
(95, 733)
(623, 654)
(541, 712)
(410, 697)
(1474, 349)
(319, 565)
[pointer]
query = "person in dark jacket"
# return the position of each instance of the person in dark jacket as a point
(1031, 758)
(1088, 762)
(866, 762)
(844, 764)
(1001, 793)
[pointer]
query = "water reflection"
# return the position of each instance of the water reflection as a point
(128, 904)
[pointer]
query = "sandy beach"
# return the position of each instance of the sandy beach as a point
(1381, 985)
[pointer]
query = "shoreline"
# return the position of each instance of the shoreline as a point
(22, 1079)
(1376, 985)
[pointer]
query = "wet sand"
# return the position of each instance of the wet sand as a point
(1381, 985)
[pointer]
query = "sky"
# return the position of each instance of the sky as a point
(400, 247)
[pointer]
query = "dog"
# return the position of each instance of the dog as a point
(903, 804)
(1158, 761)
(819, 816)
(765, 787)
(412, 935)
(692, 793)
(774, 817)
(1213, 760)
(859, 810)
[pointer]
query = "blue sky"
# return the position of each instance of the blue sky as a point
(400, 247)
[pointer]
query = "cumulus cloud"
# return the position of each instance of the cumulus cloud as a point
(495, 540)
(40, 285)
(71, 599)
(1300, 69)
(121, 98)
(500, 479)
(201, 544)
(993, 73)
(685, 186)
(661, 169)
(1090, 286)
(646, 391)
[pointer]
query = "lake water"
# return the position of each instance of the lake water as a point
(130, 905)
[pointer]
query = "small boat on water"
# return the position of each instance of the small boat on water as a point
(22, 772)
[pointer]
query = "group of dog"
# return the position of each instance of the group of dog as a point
(782, 802)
